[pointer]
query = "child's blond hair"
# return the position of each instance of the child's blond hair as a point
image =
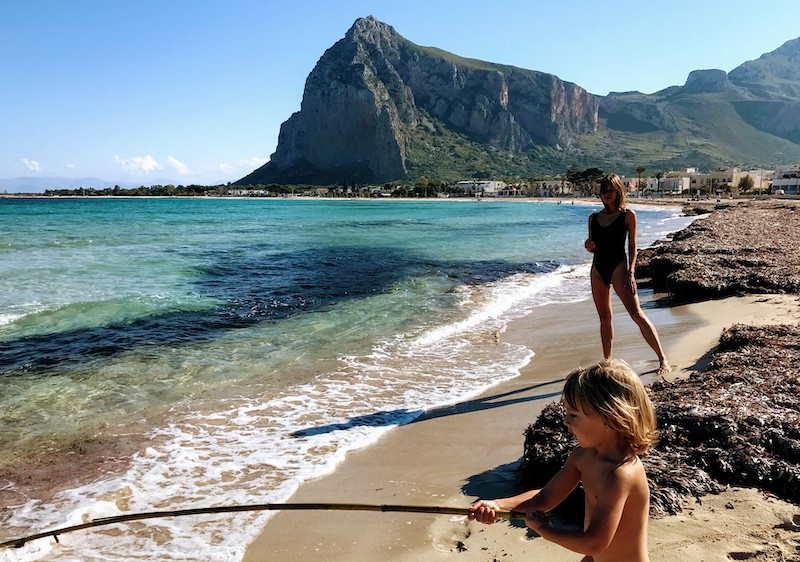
(613, 391)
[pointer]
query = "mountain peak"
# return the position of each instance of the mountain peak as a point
(370, 29)
(773, 74)
(712, 80)
(379, 108)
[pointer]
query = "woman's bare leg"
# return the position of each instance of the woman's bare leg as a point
(601, 293)
(631, 301)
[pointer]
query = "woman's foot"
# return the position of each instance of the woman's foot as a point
(663, 366)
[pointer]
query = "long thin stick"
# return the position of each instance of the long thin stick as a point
(441, 510)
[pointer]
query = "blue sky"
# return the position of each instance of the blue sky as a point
(196, 91)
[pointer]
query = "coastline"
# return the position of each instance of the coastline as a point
(470, 450)
(454, 455)
(449, 456)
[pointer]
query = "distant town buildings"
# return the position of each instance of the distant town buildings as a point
(689, 182)
(482, 188)
(786, 180)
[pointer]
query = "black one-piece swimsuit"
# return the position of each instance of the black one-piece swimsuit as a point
(609, 245)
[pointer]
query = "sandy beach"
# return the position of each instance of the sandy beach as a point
(454, 455)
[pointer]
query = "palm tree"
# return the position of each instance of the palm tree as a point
(659, 175)
(639, 171)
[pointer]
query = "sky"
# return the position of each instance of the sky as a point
(194, 92)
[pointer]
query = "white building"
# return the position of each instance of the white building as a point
(248, 192)
(786, 179)
(671, 184)
(483, 188)
(631, 185)
(711, 182)
(728, 178)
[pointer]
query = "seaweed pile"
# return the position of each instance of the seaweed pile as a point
(747, 247)
(737, 423)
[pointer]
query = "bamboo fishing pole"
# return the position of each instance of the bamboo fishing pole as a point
(439, 510)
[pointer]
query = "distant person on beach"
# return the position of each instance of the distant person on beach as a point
(611, 416)
(611, 267)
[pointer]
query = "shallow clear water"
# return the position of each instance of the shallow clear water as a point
(240, 347)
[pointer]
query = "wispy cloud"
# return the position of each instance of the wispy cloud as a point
(32, 165)
(256, 161)
(178, 166)
(138, 165)
(69, 166)
(241, 167)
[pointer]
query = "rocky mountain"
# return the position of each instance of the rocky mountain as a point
(379, 108)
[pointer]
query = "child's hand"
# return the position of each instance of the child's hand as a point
(483, 511)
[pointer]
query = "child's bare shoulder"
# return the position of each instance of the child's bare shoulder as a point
(627, 473)
(580, 456)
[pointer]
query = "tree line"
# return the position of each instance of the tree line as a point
(583, 182)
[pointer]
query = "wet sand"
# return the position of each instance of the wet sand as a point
(455, 455)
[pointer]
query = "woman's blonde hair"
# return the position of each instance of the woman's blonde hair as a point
(614, 182)
(613, 391)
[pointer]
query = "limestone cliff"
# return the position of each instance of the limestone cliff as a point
(707, 81)
(378, 108)
(373, 89)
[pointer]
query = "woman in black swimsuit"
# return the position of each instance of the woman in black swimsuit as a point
(611, 267)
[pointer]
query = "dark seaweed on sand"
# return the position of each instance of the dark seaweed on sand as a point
(749, 247)
(738, 422)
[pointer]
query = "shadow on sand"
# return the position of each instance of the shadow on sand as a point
(405, 416)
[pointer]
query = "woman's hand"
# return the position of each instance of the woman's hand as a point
(589, 245)
(484, 511)
(631, 281)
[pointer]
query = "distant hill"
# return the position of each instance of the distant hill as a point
(41, 184)
(378, 108)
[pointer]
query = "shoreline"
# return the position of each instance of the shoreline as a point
(455, 455)
(470, 450)
(451, 455)
(559, 199)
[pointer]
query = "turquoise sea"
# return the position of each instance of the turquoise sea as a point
(178, 353)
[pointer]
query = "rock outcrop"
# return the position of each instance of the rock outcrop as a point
(707, 81)
(378, 108)
(373, 89)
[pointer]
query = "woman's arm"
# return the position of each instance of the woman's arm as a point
(589, 244)
(630, 223)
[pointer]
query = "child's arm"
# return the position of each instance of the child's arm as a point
(604, 519)
(545, 499)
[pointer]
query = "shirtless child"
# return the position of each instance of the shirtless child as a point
(612, 418)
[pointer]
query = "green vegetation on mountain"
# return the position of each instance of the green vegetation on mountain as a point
(378, 108)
